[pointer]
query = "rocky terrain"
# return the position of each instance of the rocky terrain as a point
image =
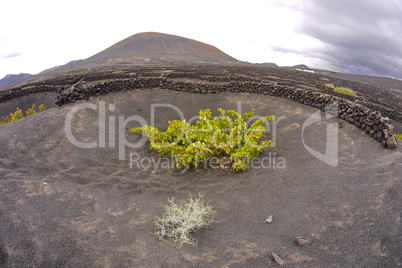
(366, 111)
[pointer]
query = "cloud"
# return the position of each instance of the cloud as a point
(359, 36)
(12, 55)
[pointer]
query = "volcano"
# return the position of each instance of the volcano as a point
(158, 46)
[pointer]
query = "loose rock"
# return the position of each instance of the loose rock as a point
(277, 259)
(392, 143)
(300, 241)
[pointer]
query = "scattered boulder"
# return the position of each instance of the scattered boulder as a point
(392, 143)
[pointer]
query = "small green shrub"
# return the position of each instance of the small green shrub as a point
(181, 218)
(398, 136)
(226, 142)
(31, 110)
(42, 108)
(345, 91)
(18, 114)
(342, 90)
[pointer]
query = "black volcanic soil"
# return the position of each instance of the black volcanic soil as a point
(64, 206)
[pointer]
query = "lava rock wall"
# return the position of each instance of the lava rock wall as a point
(372, 122)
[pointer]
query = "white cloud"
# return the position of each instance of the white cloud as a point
(50, 33)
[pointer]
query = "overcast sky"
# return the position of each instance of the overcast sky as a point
(357, 36)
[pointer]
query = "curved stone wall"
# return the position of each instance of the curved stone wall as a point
(374, 122)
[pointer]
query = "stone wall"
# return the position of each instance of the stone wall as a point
(372, 122)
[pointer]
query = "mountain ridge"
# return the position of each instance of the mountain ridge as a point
(153, 45)
(13, 79)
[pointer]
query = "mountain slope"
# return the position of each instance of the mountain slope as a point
(13, 79)
(148, 48)
(153, 45)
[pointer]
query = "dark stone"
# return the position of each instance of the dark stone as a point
(380, 136)
(384, 143)
(386, 133)
(392, 143)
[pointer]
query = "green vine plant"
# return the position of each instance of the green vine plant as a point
(342, 90)
(18, 114)
(224, 142)
(398, 136)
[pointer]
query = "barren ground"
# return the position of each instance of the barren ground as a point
(64, 206)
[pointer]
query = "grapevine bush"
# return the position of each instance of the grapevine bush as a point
(18, 114)
(225, 141)
(342, 90)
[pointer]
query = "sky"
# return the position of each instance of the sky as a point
(351, 36)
